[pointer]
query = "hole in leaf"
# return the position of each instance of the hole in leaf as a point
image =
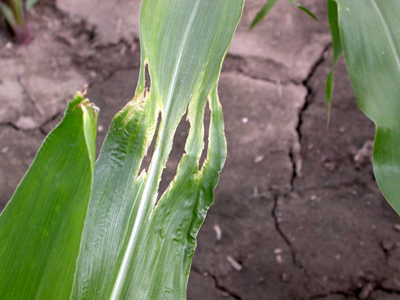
(150, 151)
(147, 78)
(207, 118)
(178, 150)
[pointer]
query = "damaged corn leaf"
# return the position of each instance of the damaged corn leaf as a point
(131, 247)
(41, 227)
(369, 31)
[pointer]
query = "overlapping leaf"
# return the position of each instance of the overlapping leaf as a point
(370, 35)
(41, 227)
(131, 247)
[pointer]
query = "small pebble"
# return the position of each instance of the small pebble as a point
(397, 227)
(279, 259)
(26, 123)
(285, 277)
(258, 159)
(218, 232)
(278, 256)
(366, 290)
(245, 120)
(388, 245)
(234, 263)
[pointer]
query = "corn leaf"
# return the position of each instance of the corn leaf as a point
(30, 4)
(370, 36)
(8, 14)
(336, 48)
(133, 248)
(41, 227)
(263, 12)
(304, 9)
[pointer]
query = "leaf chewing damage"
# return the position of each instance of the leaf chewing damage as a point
(133, 248)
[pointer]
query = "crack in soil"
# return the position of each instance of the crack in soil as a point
(349, 293)
(283, 235)
(10, 124)
(223, 289)
(360, 293)
(234, 63)
(295, 154)
(14, 127)
(379, 287)
(49, 120)
(217, 285)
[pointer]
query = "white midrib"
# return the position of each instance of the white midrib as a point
(117, 288)
(389, 34)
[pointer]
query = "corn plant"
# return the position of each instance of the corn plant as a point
(16, 15)
(76, 229)
(368, 33)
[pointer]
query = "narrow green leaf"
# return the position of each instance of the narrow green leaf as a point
(8, 15)
(308, 12)
(41, 227)
(18, 11)
(370, 35)
(263, 12)
(30, 4)
(131, 247)
(336, 47)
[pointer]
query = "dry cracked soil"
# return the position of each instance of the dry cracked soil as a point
(297, 212)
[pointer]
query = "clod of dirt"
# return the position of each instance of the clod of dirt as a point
(364, 154)
(218, 232)
(234, 263)
(26, 123)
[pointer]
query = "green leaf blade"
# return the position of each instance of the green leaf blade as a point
(132, 249)
(41, 227)
(337, 50)
(304, 9)
(263, 12)
(371, 46)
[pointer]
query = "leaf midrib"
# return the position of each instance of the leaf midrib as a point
(117, 288)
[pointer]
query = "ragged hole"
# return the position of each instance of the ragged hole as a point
(147, 78)
(207, 118)
(150, 151)
(178, 149)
